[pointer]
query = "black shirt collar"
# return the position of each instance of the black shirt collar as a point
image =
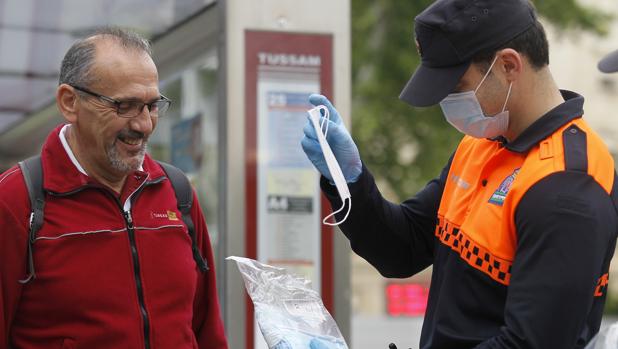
(572, 108)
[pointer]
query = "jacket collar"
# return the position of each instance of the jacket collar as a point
(572, 108)
(61, 176)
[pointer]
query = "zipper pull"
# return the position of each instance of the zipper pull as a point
(127, 216)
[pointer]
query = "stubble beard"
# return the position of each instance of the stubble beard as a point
(127, 165)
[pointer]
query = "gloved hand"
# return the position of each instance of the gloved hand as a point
(340, 142)
(317, 344)
(314, 344)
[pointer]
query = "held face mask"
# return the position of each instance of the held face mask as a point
(464, 112)
(321, 129)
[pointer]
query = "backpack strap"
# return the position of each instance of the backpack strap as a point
(184, 199)
(32, 170)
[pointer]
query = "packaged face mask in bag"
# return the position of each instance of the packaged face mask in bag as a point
(290, 313)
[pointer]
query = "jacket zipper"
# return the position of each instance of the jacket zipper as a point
(138, 280)
(136, 265)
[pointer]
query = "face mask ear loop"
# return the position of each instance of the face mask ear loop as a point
(325, 120)
(508, 94)
(339, 210)
(486, 74)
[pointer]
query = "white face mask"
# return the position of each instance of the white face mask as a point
(463, 111)
(331, 162)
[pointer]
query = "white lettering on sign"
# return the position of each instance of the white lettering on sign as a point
(293, 60)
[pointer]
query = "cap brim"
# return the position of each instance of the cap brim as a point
(609, 63)
(428, 86)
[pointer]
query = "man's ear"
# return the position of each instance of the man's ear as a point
(510, 63)
(66, 100)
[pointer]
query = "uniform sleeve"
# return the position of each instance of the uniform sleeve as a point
(565, 225)
(13, 238)
(397, 239)
(207, 322)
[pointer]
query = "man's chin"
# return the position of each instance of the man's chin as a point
(126, 163)
(134, 164)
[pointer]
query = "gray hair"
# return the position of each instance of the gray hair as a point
(78, 61)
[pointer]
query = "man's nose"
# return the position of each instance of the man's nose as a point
(143, 122)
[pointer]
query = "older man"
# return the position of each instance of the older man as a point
(113, 265)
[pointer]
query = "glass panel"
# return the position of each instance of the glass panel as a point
(35, 35)
(208, 181)
(187, 136)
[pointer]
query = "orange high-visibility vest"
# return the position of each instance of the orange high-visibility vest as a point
(484, 234)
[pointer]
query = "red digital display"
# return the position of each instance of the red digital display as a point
(406, 299)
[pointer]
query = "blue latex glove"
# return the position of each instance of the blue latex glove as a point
(316, 344)
(340, 142)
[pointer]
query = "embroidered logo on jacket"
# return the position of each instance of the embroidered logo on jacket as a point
(500, 194)
(171, 215)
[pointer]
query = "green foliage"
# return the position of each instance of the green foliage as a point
(403, 146)
(570, 15)
(611, 304)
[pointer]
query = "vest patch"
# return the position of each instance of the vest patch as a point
(500, 194)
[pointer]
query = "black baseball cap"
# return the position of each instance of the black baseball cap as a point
(449, 33)
(609, 63)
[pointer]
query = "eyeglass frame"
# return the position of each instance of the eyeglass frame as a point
(117, 103)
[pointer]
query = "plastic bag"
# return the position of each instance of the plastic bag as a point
(607, 338)
(289, 313)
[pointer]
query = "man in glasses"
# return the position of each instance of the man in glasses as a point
(113, 264)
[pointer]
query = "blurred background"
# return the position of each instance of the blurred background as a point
(239, 72)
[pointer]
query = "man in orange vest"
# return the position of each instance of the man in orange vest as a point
(521, 224)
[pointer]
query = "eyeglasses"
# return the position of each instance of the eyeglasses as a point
(130, 108)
